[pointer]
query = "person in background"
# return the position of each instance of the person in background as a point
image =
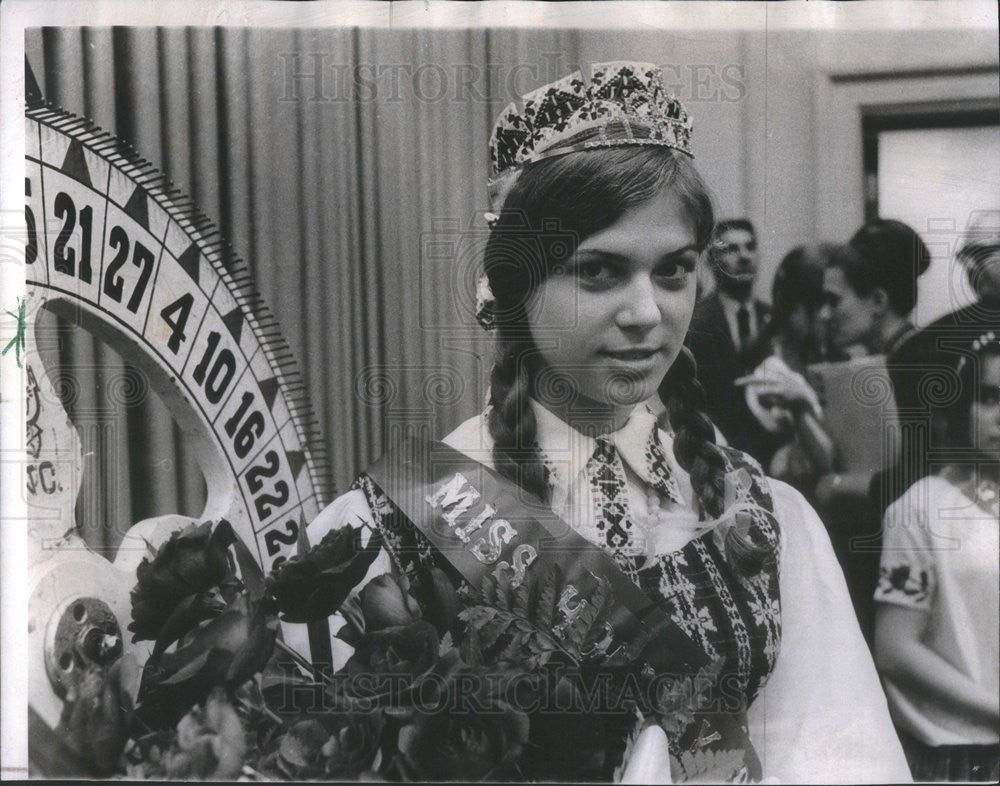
(796, 298)
(922, 360)
(936, 624)
(869, 291)
(870, 288)
(730, 336)
(777, 393)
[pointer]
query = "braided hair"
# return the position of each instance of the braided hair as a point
(554, 205)
(699, 456)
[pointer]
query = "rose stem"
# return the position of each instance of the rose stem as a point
(299, 659)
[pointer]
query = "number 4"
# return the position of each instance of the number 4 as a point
(182, 308)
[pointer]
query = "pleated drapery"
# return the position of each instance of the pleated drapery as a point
(343, 192)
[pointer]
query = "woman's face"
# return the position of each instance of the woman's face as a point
(610, 323)
(801, 325)
(984, 417)
(849, 318)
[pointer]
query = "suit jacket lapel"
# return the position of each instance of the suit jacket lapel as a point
(719, 321)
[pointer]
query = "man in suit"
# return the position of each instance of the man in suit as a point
(730, 337)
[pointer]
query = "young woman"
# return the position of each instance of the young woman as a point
(596, 416)
(870, 288)
(936, 624)
(777, 393)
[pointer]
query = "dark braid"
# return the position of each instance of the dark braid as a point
(512, 421)
(699, 456)
(553, 205)
(694, 435)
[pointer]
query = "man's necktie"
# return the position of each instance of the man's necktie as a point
(743, 326)
(609, 492)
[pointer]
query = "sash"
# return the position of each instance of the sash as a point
(482, 523)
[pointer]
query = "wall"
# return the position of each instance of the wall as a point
(331, 201)
(777, 111)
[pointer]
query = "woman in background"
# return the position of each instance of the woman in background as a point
(869, 291)
(936, 624)
(870, 288)
(777, 393)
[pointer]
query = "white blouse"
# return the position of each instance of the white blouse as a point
(822, 715)
(940, 556)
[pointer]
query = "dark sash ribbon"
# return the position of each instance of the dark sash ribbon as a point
(483, 523)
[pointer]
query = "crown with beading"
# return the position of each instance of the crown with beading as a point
(624, 104)
(978, 344)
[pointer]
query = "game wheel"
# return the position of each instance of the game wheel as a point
(114, 248)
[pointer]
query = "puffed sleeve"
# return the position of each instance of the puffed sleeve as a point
(349, 508)
(906, 572)
(822, 717)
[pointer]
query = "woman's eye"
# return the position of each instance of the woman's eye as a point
(595, 271)
(676, 270)
(989, 396)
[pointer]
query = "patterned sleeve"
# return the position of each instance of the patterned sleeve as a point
(906, 571)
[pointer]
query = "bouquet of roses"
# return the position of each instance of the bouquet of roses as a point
(488, 683)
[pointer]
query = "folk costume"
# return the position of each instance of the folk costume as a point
(782, 671)
(787, 637)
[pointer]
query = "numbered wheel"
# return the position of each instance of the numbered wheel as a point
(114, 247)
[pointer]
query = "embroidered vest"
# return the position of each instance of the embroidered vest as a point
(733, 618)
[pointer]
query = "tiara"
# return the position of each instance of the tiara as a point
(978, 344)
(624, 104)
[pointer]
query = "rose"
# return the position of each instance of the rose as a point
(388, 664)
(299, 752)
(386, 603)
(441, 602)
(351, 750)
(470, 733)
(98, 710)
(226, 651)
(211, 742)
(313, 585)
(338, 746)
(192, 562)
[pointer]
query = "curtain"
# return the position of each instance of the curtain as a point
(348, 168)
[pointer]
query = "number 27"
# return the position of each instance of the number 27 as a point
(142, 258)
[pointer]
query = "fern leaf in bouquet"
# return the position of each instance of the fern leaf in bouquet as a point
(546, 604)
(516, 625)
(710, 765)
(506, 626)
